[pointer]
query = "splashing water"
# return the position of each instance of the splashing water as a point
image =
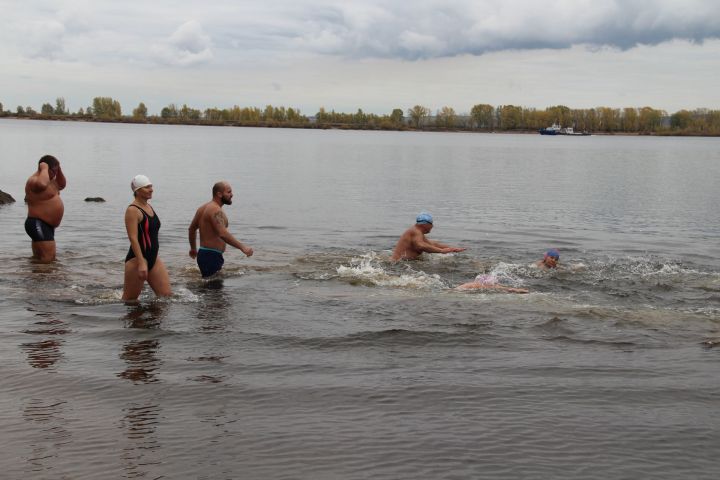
(367, 270)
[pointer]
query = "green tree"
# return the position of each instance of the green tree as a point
(511, 117)
(20, 110)
(630, 120)
(187, 113)
(418, 114)
(60, 108)
(397, 117)
(649, 119)
(481, 116)
(294, 115)
(47, 109)
(140, 112)
(561, 115)
(106, 107)
(321, 117)
(171, 111)
(446, 117)
(360, 118)
(609, 119)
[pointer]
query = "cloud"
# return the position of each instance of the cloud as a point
(238, 31)
(43, 39)
(188, 45)
(446, 28)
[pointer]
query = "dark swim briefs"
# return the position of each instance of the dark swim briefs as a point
(39, 230)
(209, 260)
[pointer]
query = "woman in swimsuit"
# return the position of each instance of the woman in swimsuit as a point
(142, 262)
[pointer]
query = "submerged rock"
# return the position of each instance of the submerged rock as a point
(94, 199)
(6, 198)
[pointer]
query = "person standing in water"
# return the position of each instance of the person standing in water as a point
(413, 242)
(142, 262)
(214, 235)
(45, 207)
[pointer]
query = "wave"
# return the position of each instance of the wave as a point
(368, 270)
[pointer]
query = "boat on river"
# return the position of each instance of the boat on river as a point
(556, 129)
(551, 130)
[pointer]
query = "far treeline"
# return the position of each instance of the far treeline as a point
(482, 117)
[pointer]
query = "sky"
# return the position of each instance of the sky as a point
(374, 55)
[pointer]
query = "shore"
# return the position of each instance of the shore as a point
(312, 125)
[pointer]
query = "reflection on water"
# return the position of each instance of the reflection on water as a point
(140, 419)
(212, 310)
(45, 353)
(139, 424)
(47, 421)
(142, 361)
(140, 355)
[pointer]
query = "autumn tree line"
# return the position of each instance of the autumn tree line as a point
(481, 117)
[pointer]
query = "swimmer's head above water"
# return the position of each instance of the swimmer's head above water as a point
(424, 218)
(551, 258)
(425, 221)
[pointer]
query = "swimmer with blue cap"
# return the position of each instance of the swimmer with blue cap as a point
(550, 259)
(413, 242)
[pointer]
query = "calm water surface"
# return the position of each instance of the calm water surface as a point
(317, 358)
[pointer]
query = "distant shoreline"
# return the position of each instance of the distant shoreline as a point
(325, 126)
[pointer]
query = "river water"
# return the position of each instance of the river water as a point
(319, 359)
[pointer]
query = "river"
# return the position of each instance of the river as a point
(317, 358)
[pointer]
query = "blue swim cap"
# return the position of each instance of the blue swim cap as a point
(553, 253)
(424, 217)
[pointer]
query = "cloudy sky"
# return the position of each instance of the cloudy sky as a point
(371, 54)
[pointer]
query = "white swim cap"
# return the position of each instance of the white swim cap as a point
(139, 181)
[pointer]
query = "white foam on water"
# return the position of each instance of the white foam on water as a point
(507, 274)
(110, 296)
(366, 269)
(97, 297)
(439, 257)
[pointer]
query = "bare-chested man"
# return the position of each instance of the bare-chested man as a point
(214, 235)
(413, 243)
(45, 207)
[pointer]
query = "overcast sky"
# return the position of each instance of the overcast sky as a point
(371, 54)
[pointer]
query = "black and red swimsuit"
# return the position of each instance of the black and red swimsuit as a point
(148, 229)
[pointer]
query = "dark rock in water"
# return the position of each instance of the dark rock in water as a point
(94, 199)
(6, 198)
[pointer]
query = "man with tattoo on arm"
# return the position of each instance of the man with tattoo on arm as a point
(214, 235)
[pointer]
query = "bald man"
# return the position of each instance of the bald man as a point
(214, 235)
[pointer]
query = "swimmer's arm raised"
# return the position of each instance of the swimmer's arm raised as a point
(222, 232)
(41, 181)
(60, 178)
